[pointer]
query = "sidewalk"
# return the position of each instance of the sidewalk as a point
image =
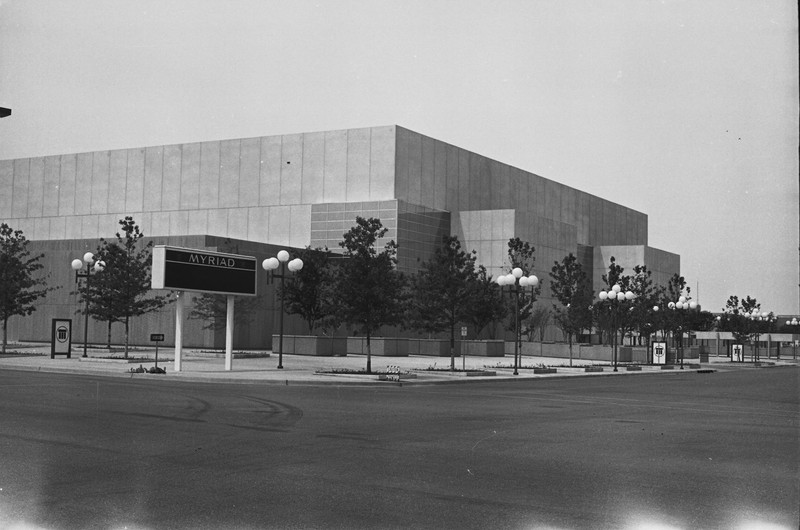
(261, 367)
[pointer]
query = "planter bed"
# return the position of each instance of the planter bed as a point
(545, 370)
(593, 369)
(633, 368)
(667, 366)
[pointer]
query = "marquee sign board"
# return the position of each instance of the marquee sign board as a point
(184, 269)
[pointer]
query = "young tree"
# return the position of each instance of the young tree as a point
(309, 292)
(570, 286)
(20, 286)
(522, 254)
(673, 320)
(489, 306)
(441, 291)
(736, 318)
(617, 322)
(122, 289)
(370, 290)
(641, 284)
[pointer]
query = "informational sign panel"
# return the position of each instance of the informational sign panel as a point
(61, 338)
(203, 271)
(659, 353)
(737, 353)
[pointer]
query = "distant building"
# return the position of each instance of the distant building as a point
(306, 189)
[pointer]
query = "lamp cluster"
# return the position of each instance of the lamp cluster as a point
(517, 274)
(615, 293)
(88, 258)
(271, 264)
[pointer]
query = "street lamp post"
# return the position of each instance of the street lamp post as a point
(271, 265)
(614, 297)
(516, 282)
(77, 265)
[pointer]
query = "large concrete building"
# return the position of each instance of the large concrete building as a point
(306, 189)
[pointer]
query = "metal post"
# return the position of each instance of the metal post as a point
(178, 331)
(229, 334)
(280, 340)
(516, 329)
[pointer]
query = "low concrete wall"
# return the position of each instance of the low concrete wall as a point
(311, 345)
(381, 346)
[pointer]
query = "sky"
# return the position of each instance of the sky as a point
(684, 110)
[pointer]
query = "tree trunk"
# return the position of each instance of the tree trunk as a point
(127, 322)
(369, 354)
(452, 348)
(5, 334)
(108, 336)
(569, 335)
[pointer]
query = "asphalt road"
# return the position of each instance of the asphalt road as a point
(682, 450)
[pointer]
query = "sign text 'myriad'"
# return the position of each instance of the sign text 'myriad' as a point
(214, 261)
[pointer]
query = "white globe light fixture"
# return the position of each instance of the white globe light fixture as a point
(77, 265)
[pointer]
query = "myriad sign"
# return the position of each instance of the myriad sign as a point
(184, 269)
(659, 353)
(61, 341)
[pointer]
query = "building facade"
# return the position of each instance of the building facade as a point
(306, 189)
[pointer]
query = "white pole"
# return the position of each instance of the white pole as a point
(229, 335)
(178, 331)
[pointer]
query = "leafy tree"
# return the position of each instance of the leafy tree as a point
(522, 254)
(604, 319)
(538, 321)
(442, 291)
(570, 287)
(674, 320)
(122, 289)
(736, 318)
(309, 293)
(370, 290)
(20, 286)
(489, 306)
(641, 317)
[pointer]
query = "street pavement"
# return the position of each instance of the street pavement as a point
(261, 367)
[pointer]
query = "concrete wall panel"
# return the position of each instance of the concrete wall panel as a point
(6, 185)
(358, 159)
(159, 224)
(237, 223)
(382, 163)
(270, 173)
(258, 224)
(300, 229)
(178, 223)
(198, 221)
(41, 228)
(249, 164)
(171, 183)
(427, 172)
(401, 164)
(439, 175)
(117, 180)
(291, 168)
(451, 203)
(414, 194)
(58, 228)
(153, 178)
(19, 200)
(190, 176)
(462, 201)
(36, 187)
(99, 186)
(313, 167)
(335, 186)
(134, 184)
(208, 176)
(89, 227)
(218, 221)
(229, 160)
(280, 224)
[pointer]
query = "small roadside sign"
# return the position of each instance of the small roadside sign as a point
(463, 331)
(156, 337)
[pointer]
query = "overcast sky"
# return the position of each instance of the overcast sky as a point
(684, 110)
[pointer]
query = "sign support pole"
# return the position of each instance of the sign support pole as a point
(229, 335)
(178, 331)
